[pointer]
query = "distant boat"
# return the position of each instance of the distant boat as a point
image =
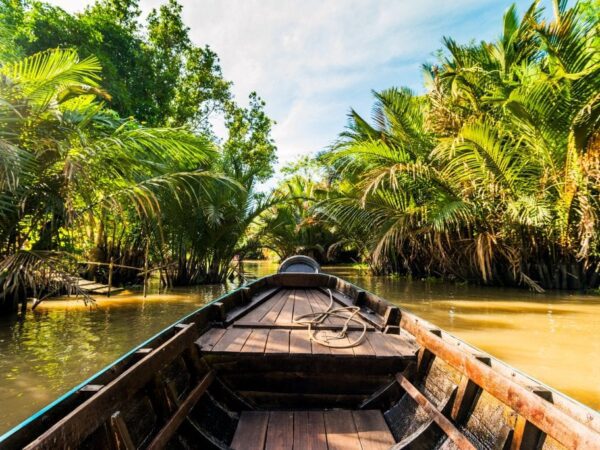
(305, 360)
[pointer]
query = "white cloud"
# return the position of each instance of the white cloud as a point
(313, 59)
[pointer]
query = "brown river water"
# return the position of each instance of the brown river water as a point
(553, 337)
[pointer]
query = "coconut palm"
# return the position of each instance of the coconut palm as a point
(493, 174)
(68, 159)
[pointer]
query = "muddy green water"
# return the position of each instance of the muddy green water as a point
(553, 337)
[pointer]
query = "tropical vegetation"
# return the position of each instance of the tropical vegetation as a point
(493, 174)
(108, 157)
(91, 176)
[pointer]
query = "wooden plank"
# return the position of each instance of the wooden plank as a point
(256, 301)
(299, 342)
(256, 342)
(403, 343)
(280, 432)
(287, 312)
(167, 432)
(543, 414)
(296, 326)
(319, 303)
(341, 351)
(341, 432)
(251, 431)
(81, 421)
(319, 349)
(210, 338)
(373, 432)
(278, 342)
(276, 307)
(120, 432)
(301, 305)
(364, 348)
(309, 431)
(448, 427)
(233, 340)
(380, 346)
(258, 313)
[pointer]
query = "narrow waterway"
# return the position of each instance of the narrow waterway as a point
(553, 337)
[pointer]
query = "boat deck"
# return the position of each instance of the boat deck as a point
(269, 328)
(316, 430)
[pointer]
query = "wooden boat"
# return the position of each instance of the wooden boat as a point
(243, 373)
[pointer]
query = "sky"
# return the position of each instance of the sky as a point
(312, 60)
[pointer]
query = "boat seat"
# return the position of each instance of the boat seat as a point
(317, 430)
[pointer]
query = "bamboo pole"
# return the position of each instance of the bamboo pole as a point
(146, 267)
(110, 274)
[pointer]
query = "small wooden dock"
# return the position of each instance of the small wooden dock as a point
(78, 285)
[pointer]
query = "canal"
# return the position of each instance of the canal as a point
(554, 337)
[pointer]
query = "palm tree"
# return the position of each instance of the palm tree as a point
(493, 174)
(69, 160)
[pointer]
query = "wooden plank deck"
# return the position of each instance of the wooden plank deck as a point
(312, 430)
(269, 328)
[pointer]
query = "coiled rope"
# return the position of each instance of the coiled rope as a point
(324, 338)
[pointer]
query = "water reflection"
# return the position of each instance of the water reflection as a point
(553, 337)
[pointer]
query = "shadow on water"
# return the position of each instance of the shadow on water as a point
(553, 337)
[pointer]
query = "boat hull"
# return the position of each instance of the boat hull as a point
(244, 372)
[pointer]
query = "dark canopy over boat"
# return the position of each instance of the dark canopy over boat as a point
(305, 360)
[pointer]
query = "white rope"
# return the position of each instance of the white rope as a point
(324, 338)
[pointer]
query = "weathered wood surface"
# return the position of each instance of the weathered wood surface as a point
(442, 421)
(312, 430)
(256, 349)
(554, 422)
(88, 416)
(281, 335)
(167, 432)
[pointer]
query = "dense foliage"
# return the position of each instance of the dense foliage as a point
(494, 174)
(107, 152)
(107, 155)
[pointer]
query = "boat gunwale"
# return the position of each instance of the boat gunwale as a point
(117, 361)
(467, 347)
(575, 410)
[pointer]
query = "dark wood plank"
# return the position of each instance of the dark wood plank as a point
(280, 432)
(278, 342)
(251, 431)
(319, 349)
(120, 432)
(81, 421)
(309, 431)
(341, 432)
(341, 351)
(301, 304)
(373, 432)
(256, 342)
(167, 432)
(208, 340)
(287, 312)
(233, 340)
(295, 326)
(276, 307)
(362, 349)
(319, 303)
(299, 342)
(448, 427)
(380, 345)
(403, 343)
(259, 312)
(256, 301)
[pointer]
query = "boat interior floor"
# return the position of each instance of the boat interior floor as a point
(315, 430)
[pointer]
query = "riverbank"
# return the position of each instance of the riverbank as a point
(552, 337)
